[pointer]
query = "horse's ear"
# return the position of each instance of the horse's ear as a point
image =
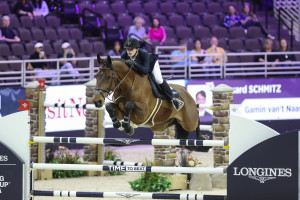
(109, 59)
(99, 59)
(109, 63)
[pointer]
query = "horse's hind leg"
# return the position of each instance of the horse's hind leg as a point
(111, 109)
(126, 123)
(199, 136)
(183, 134)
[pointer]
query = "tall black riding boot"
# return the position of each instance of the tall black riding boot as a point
(178, 104)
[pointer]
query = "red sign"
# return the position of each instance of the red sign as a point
(41, 84)
(24, 105)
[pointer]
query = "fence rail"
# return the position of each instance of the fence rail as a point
(238, 65)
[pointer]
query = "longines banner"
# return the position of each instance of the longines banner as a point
(260, 99)
(8, 100)
(11, 174)
(269, 170)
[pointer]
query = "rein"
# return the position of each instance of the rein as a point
(99, 91)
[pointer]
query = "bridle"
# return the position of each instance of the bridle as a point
(109, 91)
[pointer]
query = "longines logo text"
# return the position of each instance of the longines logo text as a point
(262, 174)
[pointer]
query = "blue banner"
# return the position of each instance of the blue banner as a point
(9, 100)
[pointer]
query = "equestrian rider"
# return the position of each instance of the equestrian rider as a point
(145, 63)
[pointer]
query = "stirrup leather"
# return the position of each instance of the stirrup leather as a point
(178, 104)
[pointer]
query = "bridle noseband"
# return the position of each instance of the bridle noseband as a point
(99, 91)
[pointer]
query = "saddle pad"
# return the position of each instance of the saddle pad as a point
(157, 90)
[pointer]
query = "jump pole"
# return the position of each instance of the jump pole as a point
(127, 195)
(83, 167)
(126, 141)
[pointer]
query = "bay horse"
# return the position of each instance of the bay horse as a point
(135, 104)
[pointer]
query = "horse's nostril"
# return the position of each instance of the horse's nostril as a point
(98, 104)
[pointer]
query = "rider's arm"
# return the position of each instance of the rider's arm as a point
(144, 69)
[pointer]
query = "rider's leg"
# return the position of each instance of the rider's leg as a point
(165, 87)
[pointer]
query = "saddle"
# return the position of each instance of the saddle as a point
(157, 91)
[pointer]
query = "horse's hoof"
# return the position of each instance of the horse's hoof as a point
(117, 125)
(129, 131)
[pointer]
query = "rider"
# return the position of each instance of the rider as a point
(145, 63)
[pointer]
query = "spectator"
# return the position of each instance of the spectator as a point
(24, 8)
(67, 52)
(40, 7)
(7, 33)
(39, 67)
(215, 49)
(116, 51)
(268, 47)
(284, 47)
(157, 32)
(198, 50)
(181, 54)
(248, 18)
(232, 19)
(201, 100)
(138, 29)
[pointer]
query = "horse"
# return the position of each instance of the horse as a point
(134, 102)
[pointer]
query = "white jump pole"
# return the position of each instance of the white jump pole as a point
(63, 105)
(83, 167)
(121, 163)
(127, 195)
(126, 141)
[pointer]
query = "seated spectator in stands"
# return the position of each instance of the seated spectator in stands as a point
(215, 49)
(232, 19)
(198, 50)
(40, 7)
(67, 52)
(138, 29)
(181, 54)
(39, 67)
(7, 33)
(116, 51)
(284, 47)
(24, 8)
(268, 47)
(157, 32)
(248, 18)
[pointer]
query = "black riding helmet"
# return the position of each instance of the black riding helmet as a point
(131, 43)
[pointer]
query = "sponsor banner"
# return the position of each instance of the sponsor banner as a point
(269, 170)
(11, 174)
(9, 100)
(65, 119)
(260, 99)
(125, 168)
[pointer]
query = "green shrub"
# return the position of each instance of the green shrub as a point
(151, 182)
(64, 157)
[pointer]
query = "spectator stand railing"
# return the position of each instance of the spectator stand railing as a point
(169, 67)
(206, 69)
(240, 65)
(265, 69)
(288, 14)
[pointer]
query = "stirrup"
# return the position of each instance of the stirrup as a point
(178, 104)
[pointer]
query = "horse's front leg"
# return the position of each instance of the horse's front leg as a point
(111, 108)
(126, 123)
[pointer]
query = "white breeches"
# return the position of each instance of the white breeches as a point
(157, 74)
